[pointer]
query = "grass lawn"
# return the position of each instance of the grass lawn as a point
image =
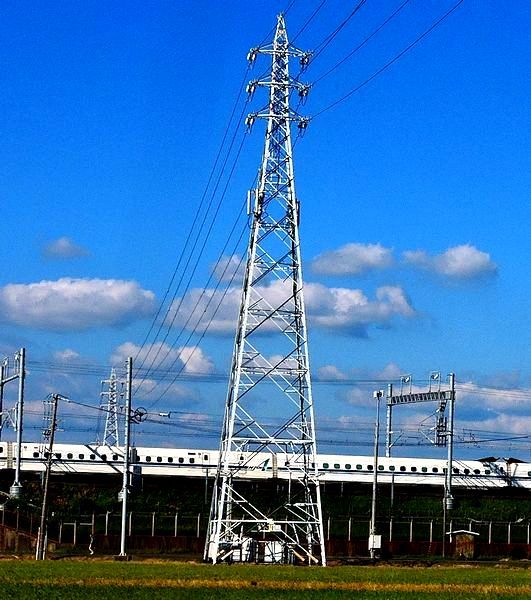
(96, 579)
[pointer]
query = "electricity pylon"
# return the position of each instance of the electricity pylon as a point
(109, 403)
(269, 413)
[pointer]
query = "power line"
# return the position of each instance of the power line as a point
(360, 46)
(196, 217)
(392, 61)
(328, 40)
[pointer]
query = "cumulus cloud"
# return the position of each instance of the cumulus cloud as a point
(463, 262)
(66, 355)
(345, 309)
(64, 247)
(75, 304)
(351, 310)
(353, 259)
(331, 372)
(191, 359)
(229, 268)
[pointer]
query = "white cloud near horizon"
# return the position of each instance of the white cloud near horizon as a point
(353, 259)
(191, 359)
(349, 310)
(66, 355)
(70, 304)
(64, 248)
(463, 262)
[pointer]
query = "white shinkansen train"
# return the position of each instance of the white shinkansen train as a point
(185, 462)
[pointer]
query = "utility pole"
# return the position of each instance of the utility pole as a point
(269, 406)
(43, 529)
(375, 541)
(16, 488)
(448, 500)
(389, 422)
(125, 479)
(2, 375)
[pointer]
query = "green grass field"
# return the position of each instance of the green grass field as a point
(100, 580)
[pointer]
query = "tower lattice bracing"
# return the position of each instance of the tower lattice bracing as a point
(269, 413)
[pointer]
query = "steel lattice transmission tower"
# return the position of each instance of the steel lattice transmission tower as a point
(269, 413)
(109, 403)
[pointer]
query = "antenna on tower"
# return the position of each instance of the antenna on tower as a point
(109, 403)
(269, 413)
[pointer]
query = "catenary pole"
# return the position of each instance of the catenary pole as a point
(125, 480)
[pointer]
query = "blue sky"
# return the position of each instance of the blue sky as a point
(417, 186)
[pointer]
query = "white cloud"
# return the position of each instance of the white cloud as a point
(191, 359)
(351, 310)
(502, 400)
(353, 259)
(75, 304)
(66, 355)
(463, 262)
(150, 390)
(64, 247)
(331, 372)
(345, 309)
(229, 268)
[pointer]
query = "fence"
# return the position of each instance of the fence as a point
(177, 532)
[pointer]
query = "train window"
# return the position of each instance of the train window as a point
(325, 465)
(205, 456)
(455, 470)
(81, 456)
(58, 455)
(103, 457)
(148, 458)
(46, 454)
(115, 456)
(477, 472)
(337, 466)
(424, 469)
(369, 467)
(529, 473)
(170, 459)
(35, 455)
(181, 459)
(1, 449)
(466, 471)
(70, 455)
(381, 467)
(92, 457)
(359, 467)
(348, 466)
(392, 468)
(159, 458)
(192, 461)
(435, 470)
(413, 469)
(402, 468)
(487, 471)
